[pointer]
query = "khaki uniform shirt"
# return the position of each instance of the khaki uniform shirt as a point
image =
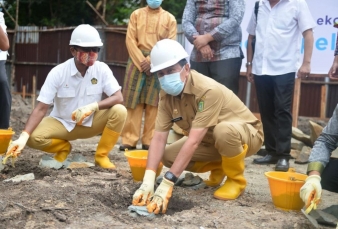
(203, 104)
(147, 26)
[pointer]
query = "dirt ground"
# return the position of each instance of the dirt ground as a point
(89, 198)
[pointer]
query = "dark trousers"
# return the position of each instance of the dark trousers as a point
(225, 72)
(5, 97)
(330, 176)
(274, 95)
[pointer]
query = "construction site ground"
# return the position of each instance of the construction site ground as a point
(98, 198)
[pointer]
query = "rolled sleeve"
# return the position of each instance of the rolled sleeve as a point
(251, 29)
(49, 88)
(111, 85)
(305, 19)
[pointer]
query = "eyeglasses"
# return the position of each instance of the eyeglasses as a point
(87, 49)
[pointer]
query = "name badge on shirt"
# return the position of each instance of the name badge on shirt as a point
(177, 119)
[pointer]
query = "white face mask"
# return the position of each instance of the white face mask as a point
(172, 83)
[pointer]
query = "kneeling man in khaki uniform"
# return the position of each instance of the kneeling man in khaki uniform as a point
(220, 131)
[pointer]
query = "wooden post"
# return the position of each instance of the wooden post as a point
(24, 91)
(13, 43)
(296, 99)
(323, 102)
(104, 9)
(33, 92)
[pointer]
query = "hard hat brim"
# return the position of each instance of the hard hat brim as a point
(166, 64)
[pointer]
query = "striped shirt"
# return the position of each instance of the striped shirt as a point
(220, 18)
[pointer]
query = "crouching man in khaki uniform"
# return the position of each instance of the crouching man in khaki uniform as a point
(220, 130)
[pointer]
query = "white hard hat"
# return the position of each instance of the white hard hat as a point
(85, 36)
(166, 53)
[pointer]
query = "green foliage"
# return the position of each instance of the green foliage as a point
(60, 13)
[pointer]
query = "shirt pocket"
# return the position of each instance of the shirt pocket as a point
(285, 20)
(65, 97)
(93, 94)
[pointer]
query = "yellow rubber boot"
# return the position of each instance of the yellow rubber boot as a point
(106, 143)
(60, 147)
(216, 171)
(235, 183)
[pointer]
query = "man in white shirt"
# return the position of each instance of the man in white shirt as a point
(76, 87)
(5, 92)
(277, 29)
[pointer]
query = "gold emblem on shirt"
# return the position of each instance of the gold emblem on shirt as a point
(94, 81)
(175, 111)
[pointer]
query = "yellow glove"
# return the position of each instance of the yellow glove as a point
(83, 112)
(161, 197)
(142, 195)
(311, 192)
(14, 149)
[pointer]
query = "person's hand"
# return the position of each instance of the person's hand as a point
(249, 75)
(304, 71)
(142, 195)
(15, 147)
(207, 52)
(161, 197)
(83, 112)
(145, 65)
(311, 192)
(202, 40)
(333, 73)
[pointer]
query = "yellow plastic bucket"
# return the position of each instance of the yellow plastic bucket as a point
(137, 160)
(284, 189)
(5, 138)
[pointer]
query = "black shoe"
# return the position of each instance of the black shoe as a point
(128, 147)
(282, 165)
(262, 152)
(268, 159)
(145, 147)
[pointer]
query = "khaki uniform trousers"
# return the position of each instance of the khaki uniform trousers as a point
(50, 128)
(229, 138)
(132, 129)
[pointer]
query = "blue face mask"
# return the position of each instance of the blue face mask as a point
(154, 4)
(172, 83)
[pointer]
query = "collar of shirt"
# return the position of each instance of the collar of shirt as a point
(188, 85)
(73, 68)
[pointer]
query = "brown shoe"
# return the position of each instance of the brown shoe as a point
(128, 147)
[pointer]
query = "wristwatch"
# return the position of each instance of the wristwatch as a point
(248, 64)
(170, 176)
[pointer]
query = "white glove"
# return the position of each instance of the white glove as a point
(142, 195)
(83, 112)
(161, 197)
(311, 191)
(14, 149)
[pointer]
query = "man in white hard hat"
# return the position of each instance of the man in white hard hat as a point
(75, 87)
(220, 130)
(141, 88)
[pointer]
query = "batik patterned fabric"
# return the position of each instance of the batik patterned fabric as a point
(220, 18)
(140, 88)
